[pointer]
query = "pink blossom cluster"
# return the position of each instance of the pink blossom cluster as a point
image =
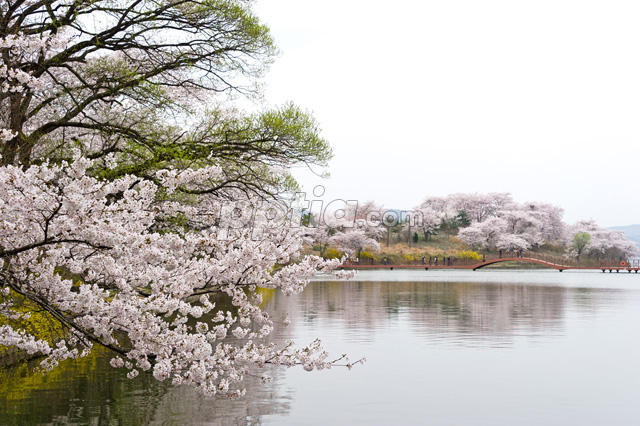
(498, 222)
(85, 250)
(602, 241)
(23, 49)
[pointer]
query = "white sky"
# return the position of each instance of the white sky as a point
(426, 98)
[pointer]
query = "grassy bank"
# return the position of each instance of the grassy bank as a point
(403, 252)
(438, 246)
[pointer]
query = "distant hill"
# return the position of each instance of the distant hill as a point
(631, 231)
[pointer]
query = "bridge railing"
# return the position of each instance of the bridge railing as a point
(552, 260)
(562, 260)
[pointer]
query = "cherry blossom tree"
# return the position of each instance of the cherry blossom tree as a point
(498, 222)
(368, 217)
(319, 235)
(521, 226)
(601, 242)
(525, 225)
(437, 204)
(82, 250)
(512, 242)
(479, 207)
(425, 219)
(353, 241)
(459, 210)
(484, 235)
(126, 208)
(513, 230)
(551, 226)
(141, 84)
(67, 63)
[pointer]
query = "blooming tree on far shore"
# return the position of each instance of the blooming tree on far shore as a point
(354, 241)
(499, 223)
(586, 236)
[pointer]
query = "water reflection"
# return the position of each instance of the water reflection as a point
(466, 313)
(89, 392)
(529, 350)
(473, 352)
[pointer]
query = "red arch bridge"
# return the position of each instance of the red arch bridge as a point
(559, 263)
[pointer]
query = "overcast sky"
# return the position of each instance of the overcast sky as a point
(427, 98)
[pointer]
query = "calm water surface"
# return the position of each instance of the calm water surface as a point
(442, 348)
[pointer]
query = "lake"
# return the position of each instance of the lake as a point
(491, 347)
